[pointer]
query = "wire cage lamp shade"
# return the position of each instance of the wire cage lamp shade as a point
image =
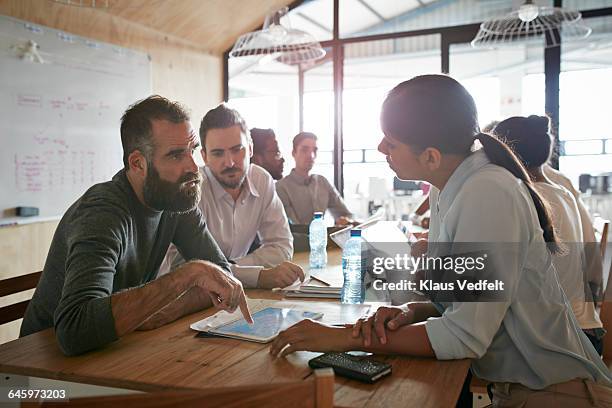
(285, 44)
(530, 22)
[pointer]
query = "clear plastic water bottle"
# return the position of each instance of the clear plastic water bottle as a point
(317, 234)
(353, 290)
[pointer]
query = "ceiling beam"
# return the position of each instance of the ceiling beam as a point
(367, 5)
(313, 22)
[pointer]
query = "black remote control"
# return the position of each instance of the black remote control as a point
(356, 368)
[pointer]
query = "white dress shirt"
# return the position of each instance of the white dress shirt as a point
(234, 224)
(593, 262)
(570, 265)
(588, 233)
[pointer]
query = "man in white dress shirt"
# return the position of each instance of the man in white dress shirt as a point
(240, 204)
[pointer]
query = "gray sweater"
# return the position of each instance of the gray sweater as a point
(107, 241)
(303, 196)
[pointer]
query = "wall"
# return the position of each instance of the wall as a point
(181, 71)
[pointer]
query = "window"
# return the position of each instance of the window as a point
(584, 102)
(371, 70)
(370, 17)
(504, 82)
(265, 93)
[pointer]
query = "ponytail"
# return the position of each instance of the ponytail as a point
(499, 153)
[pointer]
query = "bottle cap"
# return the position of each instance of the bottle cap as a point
(355, 232)
(318, 215)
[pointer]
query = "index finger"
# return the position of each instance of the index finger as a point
(244, 308)
(379, 327)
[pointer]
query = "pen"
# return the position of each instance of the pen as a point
(320, 280)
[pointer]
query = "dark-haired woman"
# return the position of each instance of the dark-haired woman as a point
(530, 139)
(527, 342)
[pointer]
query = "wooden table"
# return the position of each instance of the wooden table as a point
(171, 358)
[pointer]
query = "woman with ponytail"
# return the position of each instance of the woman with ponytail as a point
(529, 138)
(525, 342)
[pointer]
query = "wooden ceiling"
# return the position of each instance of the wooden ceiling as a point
(213, 25)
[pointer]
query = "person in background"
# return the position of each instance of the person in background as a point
(114, 237)
(240, 204)
(419, 216)
(593, 261)
(527, 344)
(530, 139)
(266, 153)
(303, 193)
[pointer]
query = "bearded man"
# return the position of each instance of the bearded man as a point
(114, 238)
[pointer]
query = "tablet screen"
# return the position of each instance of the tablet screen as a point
(266, 323)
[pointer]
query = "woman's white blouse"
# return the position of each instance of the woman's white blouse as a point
(531, 338)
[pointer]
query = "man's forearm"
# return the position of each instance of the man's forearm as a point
(194, 300)
(132, 307)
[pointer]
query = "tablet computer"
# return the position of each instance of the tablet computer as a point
(267, 323)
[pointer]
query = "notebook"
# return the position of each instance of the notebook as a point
(326, 283)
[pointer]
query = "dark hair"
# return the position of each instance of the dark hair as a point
(528, 137)
(136, 129)
(437, 111)
(488, 128)
(260, 139)
(300, 137)
(221, 117)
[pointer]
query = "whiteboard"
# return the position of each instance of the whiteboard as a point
(59, 119)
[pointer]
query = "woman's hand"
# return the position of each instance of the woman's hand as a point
(386, 317)
(312, 336)
(421, 235)
(418, 248)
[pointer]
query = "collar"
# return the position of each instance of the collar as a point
(467, 168)
(299, 179)
(219, 191)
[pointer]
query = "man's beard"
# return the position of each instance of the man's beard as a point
(230, 183)
(175, 197)
(277, 172)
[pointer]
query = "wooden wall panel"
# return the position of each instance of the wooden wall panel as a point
(214, 23)
(23, 249)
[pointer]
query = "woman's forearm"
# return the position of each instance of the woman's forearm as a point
(423, 311)
(409, 340)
